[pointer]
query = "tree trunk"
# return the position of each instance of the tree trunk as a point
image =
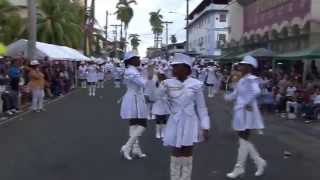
(32, 29)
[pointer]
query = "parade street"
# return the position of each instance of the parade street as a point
(79, 138)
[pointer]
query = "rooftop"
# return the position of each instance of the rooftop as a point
(204, 4)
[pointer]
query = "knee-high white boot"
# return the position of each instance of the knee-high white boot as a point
(127, 148)
(210, 91)
(136, 151)
(261, 164)
(90, 90)
(138, 131)
(186, 168)
(158, 131)
(175, 168)
(162, 130)
(239, 168)
(94, 88)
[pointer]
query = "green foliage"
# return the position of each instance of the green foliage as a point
(135, 41)
(173, 39)
(156, 22)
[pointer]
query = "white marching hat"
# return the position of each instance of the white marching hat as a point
(250, 60)
(130, 54)
(180, 58)
(34, 62)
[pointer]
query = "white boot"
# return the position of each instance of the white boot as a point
(90, 90)
(261, 164)
(239, 168)
(175, 168)
(158, 131)
(162, 130)
(137, 132)
(127, 148)
(136, 151)
(94, 91)
(186, 168)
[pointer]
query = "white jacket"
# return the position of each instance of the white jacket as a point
(160, 106)
(189, 115)
(92, 74)
(133, 102)
(211, 76)
(246, 93)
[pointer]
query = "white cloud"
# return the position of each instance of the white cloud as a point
(140, 22)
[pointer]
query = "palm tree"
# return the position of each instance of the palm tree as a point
(135, 41)
(173, 39)
(125, 14)
(157, 26)
(14, 25)
(59, 23)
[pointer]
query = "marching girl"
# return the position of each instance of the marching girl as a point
(117, 75)
(202, 74)
(247, 117)
(211, 81)
(92, 77)
(160, 107)
(101, 74)
(189, 122)
(149, 90)
(133, 107)
(83, 74)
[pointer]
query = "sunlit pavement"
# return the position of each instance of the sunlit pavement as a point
(79, 138)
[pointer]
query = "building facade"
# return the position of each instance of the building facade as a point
(278, 25)
(208, 28)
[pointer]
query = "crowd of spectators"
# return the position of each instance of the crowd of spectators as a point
(16, 74)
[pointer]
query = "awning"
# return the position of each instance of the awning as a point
(310, 53)
(258, 53)
(53, 52)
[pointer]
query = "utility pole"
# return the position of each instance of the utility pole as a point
(167, 30)
(106, 27)
(92, 22)
(32, 28)
(187, 26)
(115, 43)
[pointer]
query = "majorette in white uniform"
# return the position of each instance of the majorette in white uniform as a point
(149, 93)
(188, 118)
(160, 107)
(108, 70)
(117, 74)
(92, 77)
(101, 73)
(83, 74)
(133, 108)
(247, 117)
(211, 81)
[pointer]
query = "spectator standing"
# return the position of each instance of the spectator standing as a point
(36, 84)
(14, 74)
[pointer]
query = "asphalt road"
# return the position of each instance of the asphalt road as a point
(79, 138)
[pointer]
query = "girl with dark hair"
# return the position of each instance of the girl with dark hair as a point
(189, 122)
(133, 107)
(247, 117)
(160, 107)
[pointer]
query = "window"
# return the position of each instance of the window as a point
(222, 37)
(223, 18)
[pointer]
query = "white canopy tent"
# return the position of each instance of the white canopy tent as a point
(53, 52)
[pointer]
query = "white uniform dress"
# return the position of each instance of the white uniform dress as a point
(189, 115)
(246, 93)
(160, 106)
(133, 102)
(211, 77)
(92, 76)
(82, 72)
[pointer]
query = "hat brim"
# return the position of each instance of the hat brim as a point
(247, 64)
(131, 58)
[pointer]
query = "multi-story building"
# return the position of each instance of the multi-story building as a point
(279, 25)
(208, 28)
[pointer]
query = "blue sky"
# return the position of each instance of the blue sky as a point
(140, 23)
